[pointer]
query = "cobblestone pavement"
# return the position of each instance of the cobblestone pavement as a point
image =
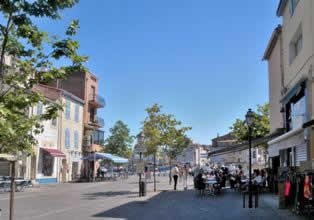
(119, 200)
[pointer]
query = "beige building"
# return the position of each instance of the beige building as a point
(58, 155)
(290, 64)
(71, 136)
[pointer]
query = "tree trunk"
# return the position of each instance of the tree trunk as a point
(154, 172)
(170, 179)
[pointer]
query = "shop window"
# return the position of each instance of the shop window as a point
(296, 110)
(47, 164)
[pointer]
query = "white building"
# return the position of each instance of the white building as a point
(195, 155)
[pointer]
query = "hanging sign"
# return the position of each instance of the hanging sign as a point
(140, 166)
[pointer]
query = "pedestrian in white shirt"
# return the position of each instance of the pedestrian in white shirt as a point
(175, 174)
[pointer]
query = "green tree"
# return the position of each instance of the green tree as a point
(260, 126)
(27, 58)
(162, 132)
(119, 142)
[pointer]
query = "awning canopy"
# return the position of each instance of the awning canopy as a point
(7, 157)
(54, 152)
(101, 156)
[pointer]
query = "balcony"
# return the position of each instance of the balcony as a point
(96, 101)
(94, 141)
(97, 122)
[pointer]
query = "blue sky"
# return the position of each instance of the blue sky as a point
(200, 59)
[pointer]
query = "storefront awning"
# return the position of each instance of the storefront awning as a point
(54, 152)
(107, 156)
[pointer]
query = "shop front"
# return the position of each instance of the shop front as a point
(47, 165)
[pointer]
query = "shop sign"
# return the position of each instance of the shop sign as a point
(140, 166)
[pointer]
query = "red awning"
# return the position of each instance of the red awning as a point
(54, 152)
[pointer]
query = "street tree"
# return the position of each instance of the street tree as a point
(162, 132)
(28, 57)
(260, 126)
(120, 141)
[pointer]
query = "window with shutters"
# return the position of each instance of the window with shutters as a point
(39, 108)
(76, 140)
(77, 113)
(67, 138)
(296, 44)
(292, 5)
(68, 109)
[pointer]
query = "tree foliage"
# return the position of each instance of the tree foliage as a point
(260, 126)
(119, 142)
(27, 58)
(163, 132)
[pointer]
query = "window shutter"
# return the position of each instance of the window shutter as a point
(39, 108)
(291, 5)
(67, 138)
(76, 140)
(67, 109)
(77, 112)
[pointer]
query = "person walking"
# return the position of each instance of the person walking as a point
(175, 173)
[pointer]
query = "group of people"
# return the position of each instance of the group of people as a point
(236, 178)
(179, 173)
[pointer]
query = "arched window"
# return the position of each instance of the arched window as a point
(76, 140)
(67, 138)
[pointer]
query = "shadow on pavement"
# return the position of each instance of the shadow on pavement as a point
(146, 182)
(94, 196)
(186, 205)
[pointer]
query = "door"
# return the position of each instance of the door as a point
(75, 170)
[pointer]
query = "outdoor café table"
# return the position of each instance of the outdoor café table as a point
(210, 186)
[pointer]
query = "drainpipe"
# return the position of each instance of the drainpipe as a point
(59, 143)
(308, 132)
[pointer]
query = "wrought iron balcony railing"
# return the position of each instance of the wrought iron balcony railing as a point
(97, 101)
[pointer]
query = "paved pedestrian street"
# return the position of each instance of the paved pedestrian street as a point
(119, 200)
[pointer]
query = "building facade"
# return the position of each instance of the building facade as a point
(71, 136)
(57, 157)
(290, 65)
(86, 88)
(195, 155)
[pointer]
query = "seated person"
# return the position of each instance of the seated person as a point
(199, 181)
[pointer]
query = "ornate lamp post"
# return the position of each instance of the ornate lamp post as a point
(249, 121)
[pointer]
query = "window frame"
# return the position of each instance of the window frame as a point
(296, 44)
(295, 99)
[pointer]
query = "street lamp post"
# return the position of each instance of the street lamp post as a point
(249, 120)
